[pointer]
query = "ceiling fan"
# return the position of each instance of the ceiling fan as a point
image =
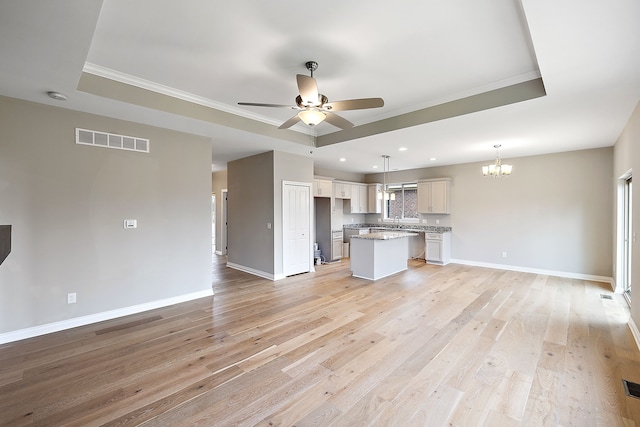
(314, 107)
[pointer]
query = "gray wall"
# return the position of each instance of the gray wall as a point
(250, 208)
(554, 213)
(626, 157)
(219, 183)
(67, 204)
(255, 199)
(287, 167)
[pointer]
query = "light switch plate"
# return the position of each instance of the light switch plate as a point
(130, 223)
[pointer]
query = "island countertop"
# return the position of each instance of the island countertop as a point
(414, 228)
(384, 235)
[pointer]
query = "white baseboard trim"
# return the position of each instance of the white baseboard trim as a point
(259, 273)
(250, 270)
(634, 331)
(567, 274)
(48, 328)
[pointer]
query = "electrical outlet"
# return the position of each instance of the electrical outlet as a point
(504, 254)
(437, 221)
(424, 221)
(71, 298)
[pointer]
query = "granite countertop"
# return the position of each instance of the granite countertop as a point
(403, 227)
(384, 235)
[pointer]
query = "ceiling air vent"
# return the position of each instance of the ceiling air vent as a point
(111, 140)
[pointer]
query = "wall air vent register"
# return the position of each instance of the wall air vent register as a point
(111, 140)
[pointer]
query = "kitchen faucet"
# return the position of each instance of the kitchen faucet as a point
(397, 219)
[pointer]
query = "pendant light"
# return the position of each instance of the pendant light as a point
(386, 194)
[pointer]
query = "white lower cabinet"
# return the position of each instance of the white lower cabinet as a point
(438, 248)
(336, 249)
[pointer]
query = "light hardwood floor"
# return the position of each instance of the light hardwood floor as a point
(440, 346)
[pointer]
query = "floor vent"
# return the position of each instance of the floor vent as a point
(632, 389)
(111, 140)
(603, 296)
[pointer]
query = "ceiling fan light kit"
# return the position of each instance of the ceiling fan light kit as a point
(315, 107)
(312, 116)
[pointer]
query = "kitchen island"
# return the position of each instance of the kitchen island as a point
(380, 254)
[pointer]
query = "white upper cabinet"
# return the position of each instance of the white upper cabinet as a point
(359, 198)
(434, 196)
(355, 199)
(374, 204)
(341, 190)
(364, 199)
(322, 187)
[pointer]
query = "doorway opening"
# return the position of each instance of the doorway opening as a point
(224, 248)
(626, 236)
(629, 237)
(213, 224)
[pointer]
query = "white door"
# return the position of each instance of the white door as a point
(296, 219)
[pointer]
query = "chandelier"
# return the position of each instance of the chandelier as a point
(497, 169)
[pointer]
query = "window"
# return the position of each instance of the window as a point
(401, 202)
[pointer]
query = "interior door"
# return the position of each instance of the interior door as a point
(296, 218)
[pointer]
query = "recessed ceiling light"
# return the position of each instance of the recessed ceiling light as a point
(57, 96)
(342, 159)
(402, 149)
(375, 166)
(433, 159)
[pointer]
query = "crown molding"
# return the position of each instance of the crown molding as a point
(107, 73)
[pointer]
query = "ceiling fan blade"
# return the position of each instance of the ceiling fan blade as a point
(354, 104)
(308, 89)
(292, 121)
(257, 104)
(337, 121)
